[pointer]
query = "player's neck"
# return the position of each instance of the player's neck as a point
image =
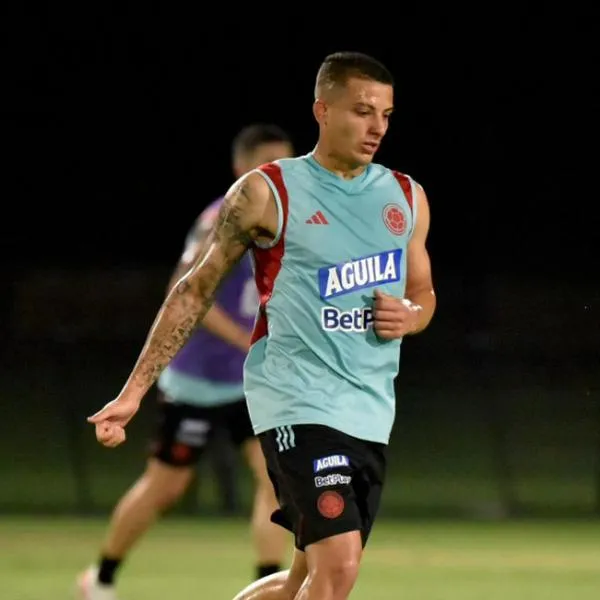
(332, 163)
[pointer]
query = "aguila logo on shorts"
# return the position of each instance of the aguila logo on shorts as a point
(330, 462)
(359, 274)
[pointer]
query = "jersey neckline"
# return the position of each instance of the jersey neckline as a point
(347, 185)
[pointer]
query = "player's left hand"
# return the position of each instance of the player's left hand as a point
(393, 317)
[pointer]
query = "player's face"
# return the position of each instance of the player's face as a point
(265, 153)
(358, 119)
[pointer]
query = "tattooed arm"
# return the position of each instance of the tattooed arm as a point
(216, 320)
(248, 213)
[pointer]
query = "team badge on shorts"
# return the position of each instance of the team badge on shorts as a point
(180, 452)
(394, 218)
(330, 504)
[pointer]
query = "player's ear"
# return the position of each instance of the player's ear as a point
(320, 111)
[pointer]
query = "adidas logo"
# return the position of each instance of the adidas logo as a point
(318, 219)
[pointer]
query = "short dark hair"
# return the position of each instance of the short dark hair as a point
(253, 136)
(338, 67)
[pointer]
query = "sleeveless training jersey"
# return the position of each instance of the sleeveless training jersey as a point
(208, 371)
(315, 357)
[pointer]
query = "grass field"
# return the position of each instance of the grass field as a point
(200, 560)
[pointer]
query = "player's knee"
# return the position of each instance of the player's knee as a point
(169, 496)
(336, 560)
(341, 573)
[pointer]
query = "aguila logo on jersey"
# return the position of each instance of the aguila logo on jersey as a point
(355, 275)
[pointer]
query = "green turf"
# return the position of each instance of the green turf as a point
(197, 560)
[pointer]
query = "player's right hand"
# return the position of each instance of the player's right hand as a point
(110, 421)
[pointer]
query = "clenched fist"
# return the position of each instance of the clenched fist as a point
(394, 317)
(110, 421)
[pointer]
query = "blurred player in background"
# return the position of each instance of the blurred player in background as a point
(201, 390)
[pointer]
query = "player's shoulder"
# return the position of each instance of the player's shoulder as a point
(285, 172)
(391, 174)
(284, 165)
(397, 178)
(396, 182)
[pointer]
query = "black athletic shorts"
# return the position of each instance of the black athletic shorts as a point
(326, 482)
(183, 430)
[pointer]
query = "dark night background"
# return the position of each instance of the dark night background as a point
(116, 130)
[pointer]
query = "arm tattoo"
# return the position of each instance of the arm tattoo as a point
(231, 222)
(190, 298)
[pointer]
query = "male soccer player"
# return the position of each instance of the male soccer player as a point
(200, 390)
(343, 272)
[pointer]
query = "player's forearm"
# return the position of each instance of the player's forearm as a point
(219, 323)
(178, 273)
(427, 301)
(216, 320)
(186, 304)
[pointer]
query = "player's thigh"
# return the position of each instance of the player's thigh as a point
(181, 434)
(314, 468)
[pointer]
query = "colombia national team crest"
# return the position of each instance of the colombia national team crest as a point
(331, 504)
(394, 218)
